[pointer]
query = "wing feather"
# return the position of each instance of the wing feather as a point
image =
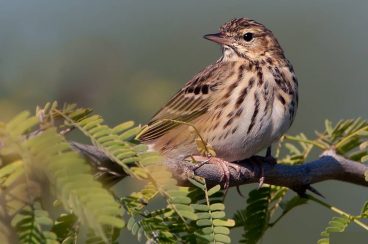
(187, 104)
(183, 107)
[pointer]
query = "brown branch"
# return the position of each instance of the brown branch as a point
(330, 166)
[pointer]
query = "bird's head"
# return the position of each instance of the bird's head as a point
(245, 38)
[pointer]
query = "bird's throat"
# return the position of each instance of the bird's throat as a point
(229, 54)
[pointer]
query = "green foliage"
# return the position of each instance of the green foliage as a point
(212, 226)
(118, 144)
(297, 153)
(364, 213)
(44, 156)
(29, 224)
(64, 228)
(349, 138)
(112, 233)
(337, 224)
(38, 167)
(255, 217)
(263, 203)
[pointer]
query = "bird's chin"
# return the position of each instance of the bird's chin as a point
(229, 53)
(226, 48)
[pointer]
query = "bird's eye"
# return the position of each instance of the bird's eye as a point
(248, 36)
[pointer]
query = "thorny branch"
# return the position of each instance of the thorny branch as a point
(329, 166)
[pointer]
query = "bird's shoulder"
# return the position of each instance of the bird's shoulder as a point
(211, 76)
(196, 93)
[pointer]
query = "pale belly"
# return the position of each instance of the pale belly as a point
(266, 130)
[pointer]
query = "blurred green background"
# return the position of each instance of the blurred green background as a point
(125, 58)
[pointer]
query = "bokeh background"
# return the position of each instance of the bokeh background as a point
(125, 58)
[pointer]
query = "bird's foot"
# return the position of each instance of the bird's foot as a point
(271, 160)
(258, 161)
(223, 164)
(268, 158)
(261, 180)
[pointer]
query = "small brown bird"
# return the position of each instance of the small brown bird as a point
(239, 105)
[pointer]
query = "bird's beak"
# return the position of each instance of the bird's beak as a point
(219, 38)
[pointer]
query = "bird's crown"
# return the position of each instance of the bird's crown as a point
(238, 24)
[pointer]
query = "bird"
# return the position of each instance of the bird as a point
(239, 105)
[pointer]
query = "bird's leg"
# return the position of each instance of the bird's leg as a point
(269, 156)
(270, 159)
(269, 152)
(225, 167)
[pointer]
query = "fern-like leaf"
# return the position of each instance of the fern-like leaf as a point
(348, 137)
(65, 228)
(337, 224)
(255, 217)
(30, 223)
(48, 155)
(136, 161)
(211, 221)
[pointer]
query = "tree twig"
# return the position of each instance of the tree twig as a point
(329, 166)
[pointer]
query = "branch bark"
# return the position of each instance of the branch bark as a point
(329, 166)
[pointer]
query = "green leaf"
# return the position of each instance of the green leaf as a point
(222, 238)
(189, 215)
(364, 159)
(220, 222)
(218, 214)
(50, 155)
(255, 217)
(123, 127)
(204, 222)
(9, 169)
(204, 215)
(217, 206)
(182, 200)
(328, 126)
(221, 230)
(64, 226)
(29, 224)
(197, 183)
(200, 207)
(364, 210)
(183, 207)
(292, 149)
(337, 224)
(131, 222)
(207, 230)
(213, 190)
(130, 133)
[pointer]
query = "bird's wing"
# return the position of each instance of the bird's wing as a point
(188, 104)
(185, 106)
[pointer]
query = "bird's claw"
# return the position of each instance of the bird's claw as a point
(261, 181)
(225, 167)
